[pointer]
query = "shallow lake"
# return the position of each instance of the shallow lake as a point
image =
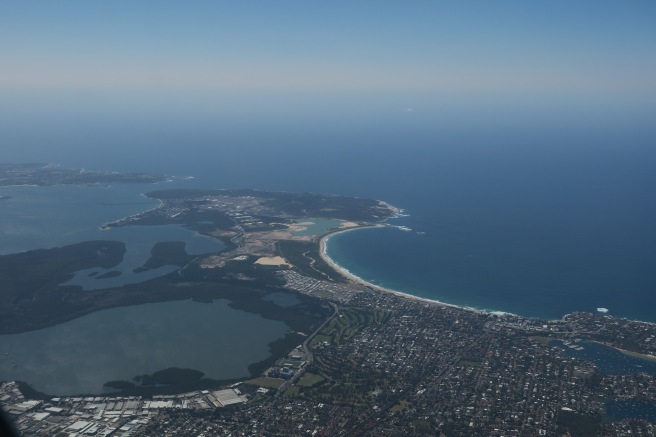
(44, 217)
(315, 226)
(79, 356)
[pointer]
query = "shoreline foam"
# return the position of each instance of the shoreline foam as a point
(323, 240)
(358, 280)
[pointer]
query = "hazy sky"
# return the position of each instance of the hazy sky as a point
(267, 60)
(485, 46)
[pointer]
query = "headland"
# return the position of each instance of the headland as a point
(385, 359)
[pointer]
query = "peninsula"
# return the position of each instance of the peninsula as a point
(265, 235)
(357, 359)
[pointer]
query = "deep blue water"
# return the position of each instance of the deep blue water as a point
(539, 218)
(539, 234)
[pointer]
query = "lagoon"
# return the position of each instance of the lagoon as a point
(315, 226)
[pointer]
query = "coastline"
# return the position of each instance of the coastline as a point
(107, 226)
(627, 352)
(323, 240)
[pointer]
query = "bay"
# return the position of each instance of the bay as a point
(610, 361)
(46, 217)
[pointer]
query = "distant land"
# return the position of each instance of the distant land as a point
(51, 174)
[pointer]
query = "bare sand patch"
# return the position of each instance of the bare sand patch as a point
(273, 261)
(299, 226)
(219, 233)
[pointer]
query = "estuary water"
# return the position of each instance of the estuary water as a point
(46, 217)
(79, 356)
(610, 361)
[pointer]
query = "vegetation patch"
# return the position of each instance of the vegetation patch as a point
(349, 322)
(305, 258)
(292, 392)
(421, 425)
(110, 274)
(540, 339)
(31, 296)
(309, 379)
(401, 406)
(166, 253)
(265, 381)
(335, 379)
(320, 338)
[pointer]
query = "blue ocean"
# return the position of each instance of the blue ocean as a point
(516, 213)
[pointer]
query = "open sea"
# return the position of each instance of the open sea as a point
(539, 218)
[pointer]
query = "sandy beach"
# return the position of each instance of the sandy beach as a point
(351, 277)
(627, 352)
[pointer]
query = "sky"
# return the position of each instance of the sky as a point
(474, 89)
(252, 55)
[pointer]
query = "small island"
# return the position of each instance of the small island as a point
(266, 225)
